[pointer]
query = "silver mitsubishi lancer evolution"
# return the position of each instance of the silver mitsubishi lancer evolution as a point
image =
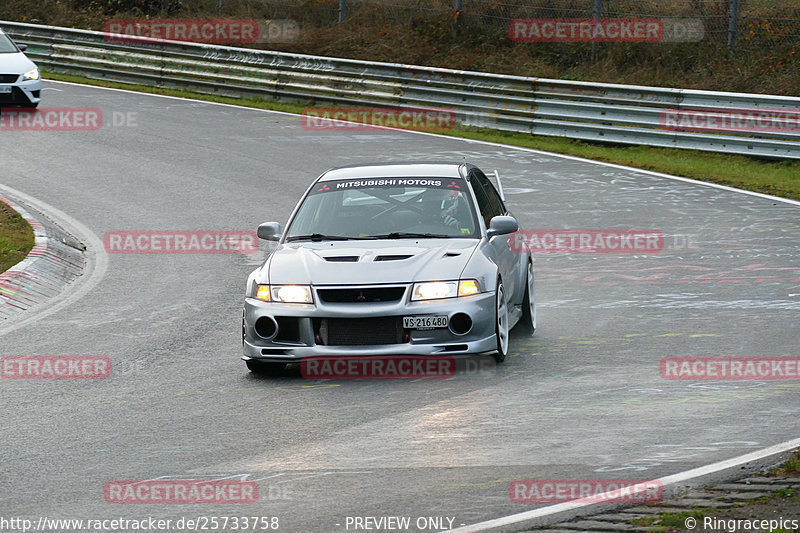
(389, 259)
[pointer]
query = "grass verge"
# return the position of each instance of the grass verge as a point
(780, 503)
(16, 237)
(772, 506)
(775, 177)
(791, 468)
(666, 522)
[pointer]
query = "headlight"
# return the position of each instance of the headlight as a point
(31, 74)
(432, 290)
(296, 294)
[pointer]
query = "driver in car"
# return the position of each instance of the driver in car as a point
(440, 207)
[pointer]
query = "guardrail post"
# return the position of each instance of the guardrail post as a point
(342, 10)
(596, 15)
(733, 24)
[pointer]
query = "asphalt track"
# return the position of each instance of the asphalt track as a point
(583, 398)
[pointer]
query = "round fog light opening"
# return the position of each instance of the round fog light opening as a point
(460, 323)
(266, 327)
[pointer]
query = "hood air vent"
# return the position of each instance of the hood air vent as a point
(342, 259)
(391, 257)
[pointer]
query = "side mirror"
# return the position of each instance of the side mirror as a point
(22, 47)
(502, 225)
(269, 231)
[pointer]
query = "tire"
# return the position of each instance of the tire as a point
(501, 329)
(265, 368)
(529, 301)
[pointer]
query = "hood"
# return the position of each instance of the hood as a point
(369, 262)
(15, 63)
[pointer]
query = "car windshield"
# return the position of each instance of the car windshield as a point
(6, 46)
(386, 208)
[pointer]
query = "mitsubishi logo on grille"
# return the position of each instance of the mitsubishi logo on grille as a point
(361, 296)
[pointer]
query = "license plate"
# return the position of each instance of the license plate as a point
(425, 322)
(4, 89)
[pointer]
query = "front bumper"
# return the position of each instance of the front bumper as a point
(22, 92)
(306, 341)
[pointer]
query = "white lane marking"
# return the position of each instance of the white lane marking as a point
(96, 262)
(665, 481)
(474, 141)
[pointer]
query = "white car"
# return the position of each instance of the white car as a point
(20, 83)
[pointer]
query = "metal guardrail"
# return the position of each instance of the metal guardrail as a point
(581, 110)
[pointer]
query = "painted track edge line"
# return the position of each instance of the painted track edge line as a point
(694, 473)
(96, 262)
(464, 139)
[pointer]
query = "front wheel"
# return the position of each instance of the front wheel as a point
(265, 368)
(501, 323)
(529, 301)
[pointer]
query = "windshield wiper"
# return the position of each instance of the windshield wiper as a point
(411, 235)
(323, 237)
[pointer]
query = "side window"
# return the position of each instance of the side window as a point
(484, 204)
(494, 197)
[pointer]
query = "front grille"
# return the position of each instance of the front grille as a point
(16, 96)
(8, 78)
(359, 331)
(366, 295)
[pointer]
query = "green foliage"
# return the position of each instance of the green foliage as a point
(16, 237)
(431, 32)
(135, 8)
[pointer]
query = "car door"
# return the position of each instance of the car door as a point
(491, 205)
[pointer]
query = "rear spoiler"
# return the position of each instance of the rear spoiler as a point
(499, 185)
